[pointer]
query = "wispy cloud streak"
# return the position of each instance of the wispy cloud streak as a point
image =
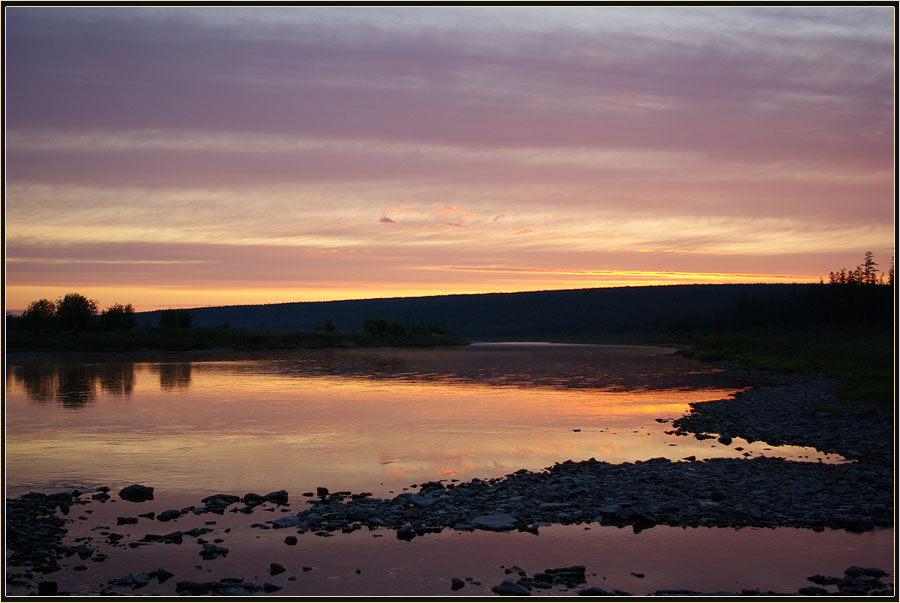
(751, 141)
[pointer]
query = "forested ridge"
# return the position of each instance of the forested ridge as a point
(582, 312)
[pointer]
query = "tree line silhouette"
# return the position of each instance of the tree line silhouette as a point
(859, 296)
(863, 274)
(74, 313)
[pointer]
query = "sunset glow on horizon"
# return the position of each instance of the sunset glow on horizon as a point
(206, 156)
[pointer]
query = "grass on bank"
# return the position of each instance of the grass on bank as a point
(860, 359)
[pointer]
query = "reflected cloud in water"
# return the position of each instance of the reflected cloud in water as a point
(349, 419)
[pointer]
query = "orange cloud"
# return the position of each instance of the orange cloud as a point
(645, 276)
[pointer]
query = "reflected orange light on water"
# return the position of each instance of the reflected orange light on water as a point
(264, 425)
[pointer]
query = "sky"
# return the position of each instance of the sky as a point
(176, 156)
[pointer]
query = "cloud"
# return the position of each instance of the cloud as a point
(725, 138)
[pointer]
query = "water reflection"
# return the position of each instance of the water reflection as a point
(74, 384)
(71, 384)
(352, 420)
(176, 375)
(608, 368)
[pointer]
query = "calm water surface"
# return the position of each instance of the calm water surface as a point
(379, 421)
(369, 420)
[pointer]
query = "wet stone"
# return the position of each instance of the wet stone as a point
(162, 575)
(510, 588)
(497, 522)
(136, 493)
(289, 521)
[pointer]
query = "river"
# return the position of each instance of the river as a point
(380, 421)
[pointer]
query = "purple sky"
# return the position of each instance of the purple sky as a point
(180, 156)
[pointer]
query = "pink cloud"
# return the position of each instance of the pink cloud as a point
(791, 130)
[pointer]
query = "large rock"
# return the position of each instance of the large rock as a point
(136, 493)
(223, 499)
(288, 521)
(855, 570)
(279, 497)
(251, 499)
(415, 500)
(497, 522)
(510, 588)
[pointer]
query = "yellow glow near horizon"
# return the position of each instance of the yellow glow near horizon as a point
(505, 281)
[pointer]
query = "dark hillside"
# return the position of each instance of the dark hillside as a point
(659, 309)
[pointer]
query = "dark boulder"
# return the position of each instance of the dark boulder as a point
(162, 575)
(251, 499)
(509, 588)
(136, 493)
(279, 498)
(855, 570)
(169, 515)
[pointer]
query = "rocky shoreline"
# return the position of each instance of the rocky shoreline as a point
(761, 492)
(798, 410)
